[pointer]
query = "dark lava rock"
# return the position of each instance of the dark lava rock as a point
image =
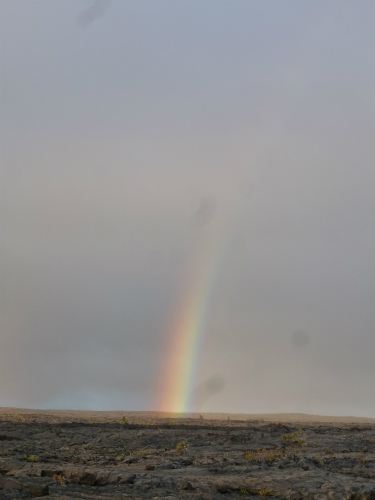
(129, 480)
(221, 488)
(104, 460)
(38, 490)
(87, 478)
(187, 486)
(7, 483)
(101, 481)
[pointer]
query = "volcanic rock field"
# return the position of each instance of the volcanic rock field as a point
(114, 455)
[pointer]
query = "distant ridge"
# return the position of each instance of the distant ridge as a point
(116, 415)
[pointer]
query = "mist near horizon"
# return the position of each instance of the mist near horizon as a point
(138, 138)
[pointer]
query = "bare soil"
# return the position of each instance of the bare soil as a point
(68, 455)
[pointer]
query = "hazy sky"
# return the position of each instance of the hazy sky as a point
(131, 130)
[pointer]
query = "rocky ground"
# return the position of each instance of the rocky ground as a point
(101, 456)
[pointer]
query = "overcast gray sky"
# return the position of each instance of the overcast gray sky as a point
(132, 130)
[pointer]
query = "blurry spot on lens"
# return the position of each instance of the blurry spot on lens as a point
(94, 11)
(205, 210)
(215, 383)
(208, 388)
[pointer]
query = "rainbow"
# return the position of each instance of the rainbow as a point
(187, 334)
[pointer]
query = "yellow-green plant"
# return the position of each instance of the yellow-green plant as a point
(124, 421)
(182, 446)
(262, 455)
(32, 458)
(294, 439)
(271, 455)
(249, 455)
(144, 452)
